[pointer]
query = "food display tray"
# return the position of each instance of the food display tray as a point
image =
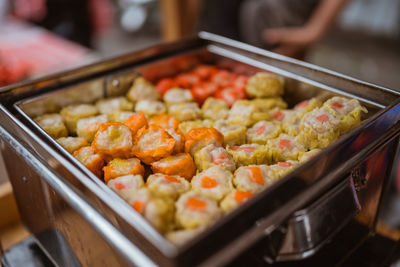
(79, 221)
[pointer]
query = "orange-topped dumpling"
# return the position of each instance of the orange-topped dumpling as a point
(126, 186)
(212, 155)
(181, 164)
(198, 138)
(113, 140)
(307, 105)
(347, 110)
(165, 121)
(319, 128)
(215, 182)
(153, 143)
(136, 121)
(167, 185)
(263, 131)
(285, 147)
(253, 178)
(92, 160)
(158, 211)
(235, 199)
(282, 168)
(249, 154)
(120, 167)
(284, 115)
(196, 210)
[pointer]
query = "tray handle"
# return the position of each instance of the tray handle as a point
(310, 228)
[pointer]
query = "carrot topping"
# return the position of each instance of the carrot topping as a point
(208, 182)
(256, 175)
(139, 206)
(284, 143)
(248, 149)
(302, 104)
(171, 179)
(322, 118)
(242, 196)
(221, 159)
(196, 204)
(337, 105)
(278, 115)
(284, 164)
(260, 130)
(119, 185)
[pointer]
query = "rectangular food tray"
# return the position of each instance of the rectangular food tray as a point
(82, 222)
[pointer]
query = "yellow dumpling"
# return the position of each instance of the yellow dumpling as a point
(234, 134)
(318, 129)
(214, 109)
(72, 144)
(265, 84)
(285, 147)
(73, 113)
(53, 125)
(248, 154)
(347, 110)
(263, 131)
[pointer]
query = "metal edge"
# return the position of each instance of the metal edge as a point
(105, 194)
(302, 215)
(116, 62)
(224, 52)
(266, 225)
(224, 40)
(98, 222)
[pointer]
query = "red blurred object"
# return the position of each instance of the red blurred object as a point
(13, 70)
(230, 95)
(205, 71)
(29, 51)
(203, 90)
(187, 80)
(34, 10)
(101, 14)
(240, 82)
(164, 85)
(223, 78)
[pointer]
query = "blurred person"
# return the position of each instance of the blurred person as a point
(76, 20)
(287, 27)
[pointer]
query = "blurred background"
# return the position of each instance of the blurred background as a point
(360, 38)
(361, 41)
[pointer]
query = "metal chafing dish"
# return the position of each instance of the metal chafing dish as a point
(79, 221)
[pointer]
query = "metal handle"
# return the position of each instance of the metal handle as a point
(309, 228)
(121, 244)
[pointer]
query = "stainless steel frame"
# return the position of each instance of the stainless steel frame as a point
(78, 220)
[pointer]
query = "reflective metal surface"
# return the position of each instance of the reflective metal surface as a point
(309, 228)
(72, 203)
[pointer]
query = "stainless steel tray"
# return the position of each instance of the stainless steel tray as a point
(78, 220)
